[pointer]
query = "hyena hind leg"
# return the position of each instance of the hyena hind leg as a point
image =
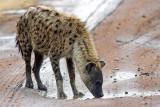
(36, 69)
(27, 58)
(71, 71)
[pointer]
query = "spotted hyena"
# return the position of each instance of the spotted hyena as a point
(46, 31)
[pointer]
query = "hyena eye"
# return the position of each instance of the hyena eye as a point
(94, 68)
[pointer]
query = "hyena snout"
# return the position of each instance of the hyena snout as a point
(96, 89)
(99, 95)
(98, 92)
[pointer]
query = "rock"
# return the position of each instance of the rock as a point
(126, 92)
(116, 68)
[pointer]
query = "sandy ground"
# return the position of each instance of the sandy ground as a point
(127, 40)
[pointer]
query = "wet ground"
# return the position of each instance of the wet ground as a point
(126, 39)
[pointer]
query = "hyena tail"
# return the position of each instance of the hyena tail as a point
(19, 46)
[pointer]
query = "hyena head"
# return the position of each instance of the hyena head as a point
(93, 78)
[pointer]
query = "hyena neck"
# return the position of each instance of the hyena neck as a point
(85, 52)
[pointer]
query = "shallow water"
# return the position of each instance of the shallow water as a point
(7, 41)
(124, 75)
(18, 12)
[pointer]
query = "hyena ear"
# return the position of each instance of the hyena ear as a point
(90, 66)
(102, 63)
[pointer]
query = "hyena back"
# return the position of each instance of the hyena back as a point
(46, 31)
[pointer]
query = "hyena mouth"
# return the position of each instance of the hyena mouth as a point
(97, 94)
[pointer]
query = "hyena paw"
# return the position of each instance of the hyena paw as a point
(29, 84)
(78, 94)
(62, 95)
(42, 87)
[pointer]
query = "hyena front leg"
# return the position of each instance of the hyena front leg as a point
(58, 76)
(36, 68)
(71, 71)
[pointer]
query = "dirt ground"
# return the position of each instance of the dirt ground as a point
(128, 40)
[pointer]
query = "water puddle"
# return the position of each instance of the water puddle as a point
(49, 81)
(121, 76)
(131, 94)
(52, 93)
(7, 37)
(7, 41)
(17, 12)
(124, 75)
